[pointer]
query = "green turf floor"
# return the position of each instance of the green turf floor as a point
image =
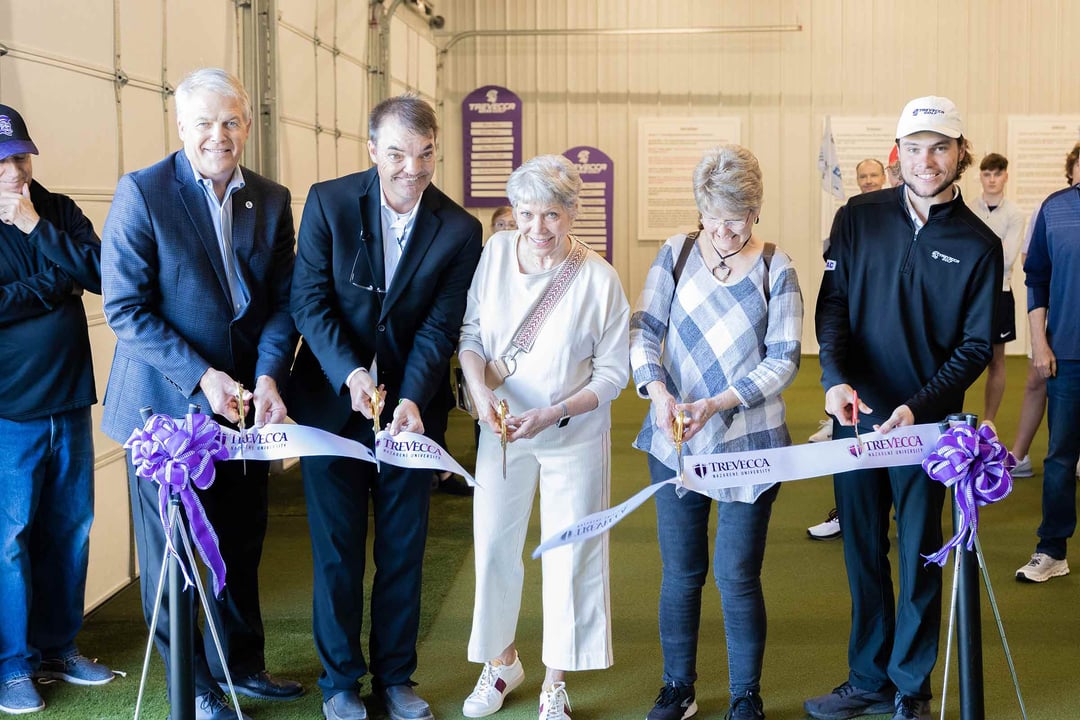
(805, 592)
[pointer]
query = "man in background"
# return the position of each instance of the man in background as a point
(49, 254)
(870, 174)
(1007, 221)
(1052, 270)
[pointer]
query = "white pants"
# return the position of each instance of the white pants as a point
(574, 480)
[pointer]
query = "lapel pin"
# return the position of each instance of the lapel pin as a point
(248, 205)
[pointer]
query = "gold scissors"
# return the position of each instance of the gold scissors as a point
(678, 427)
(855, 419)
(376, 408)
(504, 434)
(241, 425)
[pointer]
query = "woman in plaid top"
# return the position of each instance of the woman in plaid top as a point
(719, 346)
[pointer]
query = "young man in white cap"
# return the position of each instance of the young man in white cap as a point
(904, 317)
(49, 254)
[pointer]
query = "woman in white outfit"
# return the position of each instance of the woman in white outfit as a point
(558, 425)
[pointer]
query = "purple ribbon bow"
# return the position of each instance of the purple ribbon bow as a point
(978, 465)
(179, 454)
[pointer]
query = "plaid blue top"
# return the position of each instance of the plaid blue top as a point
(704, 337)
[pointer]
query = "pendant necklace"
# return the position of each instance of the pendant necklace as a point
(722, 271)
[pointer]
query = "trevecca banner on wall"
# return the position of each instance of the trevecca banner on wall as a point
(491, 143)
(593, 223)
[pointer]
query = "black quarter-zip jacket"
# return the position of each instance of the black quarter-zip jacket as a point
(906, 318)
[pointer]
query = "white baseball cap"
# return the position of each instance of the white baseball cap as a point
(930, 114)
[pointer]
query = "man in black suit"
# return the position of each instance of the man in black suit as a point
(195, 263)
(384, 262)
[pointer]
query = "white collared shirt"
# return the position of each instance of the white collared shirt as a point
(221, 213)
(396, 230)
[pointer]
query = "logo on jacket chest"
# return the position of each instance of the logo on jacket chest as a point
(942, 257)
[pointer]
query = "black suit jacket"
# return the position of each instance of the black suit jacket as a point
(348, 317)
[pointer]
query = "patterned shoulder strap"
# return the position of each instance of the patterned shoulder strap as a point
(553, 293)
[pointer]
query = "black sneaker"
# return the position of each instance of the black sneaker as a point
(909, 708)
(748, 706)
(848, 701)
(675, 702)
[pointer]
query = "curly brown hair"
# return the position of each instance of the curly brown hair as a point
(1070, 161)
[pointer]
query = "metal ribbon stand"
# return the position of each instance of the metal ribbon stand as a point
(181, 616)
(965, 615)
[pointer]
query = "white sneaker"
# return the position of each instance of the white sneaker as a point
(554, 704)
(1023, 468)
(827, 530)
(1041, 568)
(824, 432)
(495, 683)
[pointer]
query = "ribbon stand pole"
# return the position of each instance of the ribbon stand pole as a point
(985, 480)
(181, 631)
(969, 657)
(181, 603)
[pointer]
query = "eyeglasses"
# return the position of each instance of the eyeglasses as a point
(734, 226)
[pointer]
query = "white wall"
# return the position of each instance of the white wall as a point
(852, 57)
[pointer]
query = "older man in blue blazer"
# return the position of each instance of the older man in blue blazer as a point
(384, 262)
(197, 259)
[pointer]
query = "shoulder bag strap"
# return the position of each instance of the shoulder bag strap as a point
(767, 255)
(553, 293)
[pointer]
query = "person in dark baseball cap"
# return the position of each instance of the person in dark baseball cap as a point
(14, 137)
(49, 254)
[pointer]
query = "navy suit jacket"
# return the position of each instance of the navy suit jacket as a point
(348, 317)
(166, 295)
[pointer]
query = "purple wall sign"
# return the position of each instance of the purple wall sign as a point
(491, 125)
(593, 224)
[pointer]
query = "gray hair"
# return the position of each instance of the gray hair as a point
(412, 111)
(545, 179)
(215, 80)
(728, 177)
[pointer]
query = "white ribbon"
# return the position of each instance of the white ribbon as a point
(280, 440)
(707, 473)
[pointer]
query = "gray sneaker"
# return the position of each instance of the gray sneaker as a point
(75, 669)
(1023, 468)
(848, 701)
(1041, 568)
(18, 696)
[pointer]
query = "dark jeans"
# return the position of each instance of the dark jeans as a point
(236, 505)
(894, 642)
(47, 506)
(739, 550)
(1059, 468)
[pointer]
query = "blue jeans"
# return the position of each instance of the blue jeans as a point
(47, 486)
(1059, 468)
(683, 532)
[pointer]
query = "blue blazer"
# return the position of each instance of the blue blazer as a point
(348, 317)
(166, 295)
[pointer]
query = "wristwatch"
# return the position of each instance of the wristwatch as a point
(565, 415)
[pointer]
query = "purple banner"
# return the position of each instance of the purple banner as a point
(593, 224)
(491, 129)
